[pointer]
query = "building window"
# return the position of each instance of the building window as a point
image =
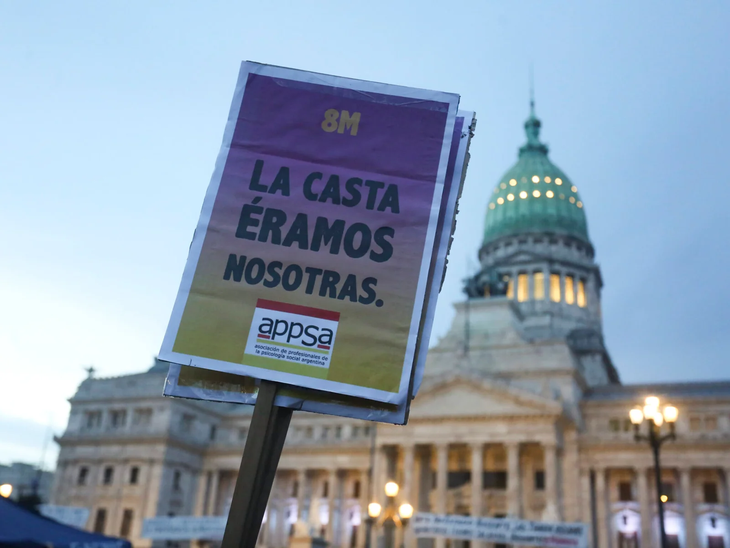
(614, 425)
(100, 520)
(355, 431)
(326, 489)
(176, 477)
(538, 281)
(83, 475)
(709, 492)
(142, 417)
(569, 290)
(356, 489)
(134, 475)
(624, 491)
(295, 489)
(710, 424)
(126, 528)
(695, 424)
(338, 432)
(186, 422)
(581, 293)
(627, 425)
(366, 431)
(212, 432)
(555, 287)
(325, 432)
(668, 490)
(494, 480)
(510, 287)
(108, 478)
(309, 433)
(522, 289)
(118, 418)
(93, 419)
(242, 433)
(539, 480)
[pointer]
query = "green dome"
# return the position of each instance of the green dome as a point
(535, 195)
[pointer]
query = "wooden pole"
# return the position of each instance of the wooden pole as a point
(261, 454)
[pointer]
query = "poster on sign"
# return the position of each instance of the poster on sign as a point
(310, 262)
(195, 383)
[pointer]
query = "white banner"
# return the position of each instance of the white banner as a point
(74, 516)
(503, 531)
(184, 528)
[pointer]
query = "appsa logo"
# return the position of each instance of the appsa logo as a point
(292, 333)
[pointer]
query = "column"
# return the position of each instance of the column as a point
(213, 497)
(586, 502)
(513, 480)
(442, 473)
(301, 487)
(552, 504)
(601, 509)
(200, 496)
(331, 488)
(642, 495)
(477, 473)
(409, 466)
(690, 524)
(727, 488)
(364, 501)
(313, 516)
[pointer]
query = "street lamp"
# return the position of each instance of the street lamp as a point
(6, 490)
(655, 418)
(378, 515)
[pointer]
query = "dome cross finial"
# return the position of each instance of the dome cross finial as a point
(532, 93)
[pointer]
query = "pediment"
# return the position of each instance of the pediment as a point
(465, 395)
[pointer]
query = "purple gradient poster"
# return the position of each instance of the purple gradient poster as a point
(310, 261)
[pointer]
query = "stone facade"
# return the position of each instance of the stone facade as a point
(521, 413)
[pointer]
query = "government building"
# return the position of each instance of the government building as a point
(521, 413)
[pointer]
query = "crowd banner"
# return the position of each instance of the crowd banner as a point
(184, 528)
(195, 383)
(311, 259)
(75, 516)
(501, 530)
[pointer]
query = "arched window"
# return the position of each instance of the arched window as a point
(569, 290)
(581, 293)
(522, 287)
(555, 287)
(538, 283)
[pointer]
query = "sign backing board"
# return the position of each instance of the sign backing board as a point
(310, 262)
(194, 383)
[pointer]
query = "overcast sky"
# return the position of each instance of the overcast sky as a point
(112, 113)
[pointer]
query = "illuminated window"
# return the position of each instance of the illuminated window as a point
(503, 186)
(510, 197)
(574, 188)
(581, 293)
(571, 200)
(522, 290)
(536, 193)
(512, 182)
(535, 179)
(558, 181)
(555, 287)
(492, 206)
(562, 196)
(523, 194)
(500, 201)
(579, 204)
(549, 194)
(548, 179)
(569, 290)
(538, 281)
(510, 287)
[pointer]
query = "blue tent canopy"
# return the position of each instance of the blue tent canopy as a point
(21, 528)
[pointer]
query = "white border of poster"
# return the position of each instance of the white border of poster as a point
(248, 67)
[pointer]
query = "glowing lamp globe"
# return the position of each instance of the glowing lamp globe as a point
(405, 511)
(6, 490)
(671, 413)
(391, 489)
(374, 510)
(636, 416)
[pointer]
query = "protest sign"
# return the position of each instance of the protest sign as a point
(501, 530)
(75, 516)
(310, 262)
(184, 528)
(195, 383)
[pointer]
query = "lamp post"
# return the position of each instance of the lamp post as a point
(398, 516)
(655, 418)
